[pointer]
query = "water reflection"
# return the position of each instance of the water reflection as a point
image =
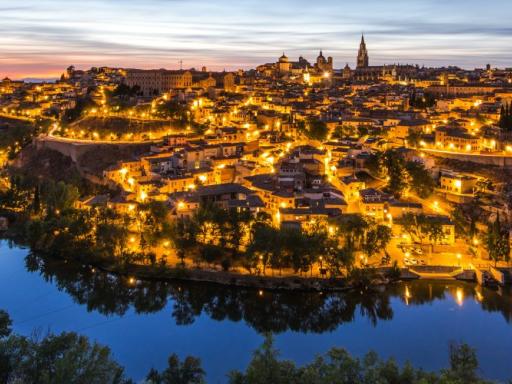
(264, 311)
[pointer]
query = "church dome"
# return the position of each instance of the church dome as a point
(283, 59)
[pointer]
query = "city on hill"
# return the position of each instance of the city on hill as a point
(292, 168)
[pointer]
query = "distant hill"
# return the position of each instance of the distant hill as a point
(40, 80)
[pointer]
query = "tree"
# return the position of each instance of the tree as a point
(316, 130)
(424, 101)
(211, 253)
(82, 104)
(433, 230)
(397, 175)
(463, 365)
(337, 366)
(343, 132)
(5, 324)
(265, 367)
(237, 224)
(497, 242)
(183, 236)
(352, 228)
(376, 239)
(420, 180)
(57, 359)
(58, 196)
(111, 238)
(467, 215)
(187, 372)
(505, 121)
(413, 139)
(263, 246)
(36, 203)
(337, 258)
(411, 224)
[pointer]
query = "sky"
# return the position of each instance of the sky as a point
(40, 38)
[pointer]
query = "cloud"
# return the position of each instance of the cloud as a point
(158, 33)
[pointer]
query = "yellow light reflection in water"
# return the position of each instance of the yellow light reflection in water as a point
(459, 297)
(407, 295)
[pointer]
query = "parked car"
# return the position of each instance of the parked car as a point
(410, 261)
(417, 251)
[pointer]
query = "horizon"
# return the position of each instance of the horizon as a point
(41, 38)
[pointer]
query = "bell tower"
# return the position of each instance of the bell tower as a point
(362, 55)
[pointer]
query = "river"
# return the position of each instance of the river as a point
(144, 322)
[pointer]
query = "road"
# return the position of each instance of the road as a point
(51, 136)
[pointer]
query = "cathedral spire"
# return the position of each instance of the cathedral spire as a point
(362, 55)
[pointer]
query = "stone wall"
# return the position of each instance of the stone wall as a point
(496, 160)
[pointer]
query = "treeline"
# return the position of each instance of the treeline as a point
(54, 359)
(71, 358)
(230, 238)
(338, 366)
(49, 222)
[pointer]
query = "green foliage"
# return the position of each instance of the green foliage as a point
(505, 121)
(5, 324)
(343, 132)
(111, 239)
(124, 91)
(314, 129)
(16, 134)
(420, 180)
(463, 365)
(183, 236)
(376, 239)
(57, 359)
(187, 372)
(175, 111)
(211, 253)
(422, 101)
(58, 196)
(73, 114)
(413, 139)
(401, 174)
(497, 241)
(71, 358)
(397, 178)
(421, 227)
(338, 367)
(362, 130)
(265, 367)
(466, 216)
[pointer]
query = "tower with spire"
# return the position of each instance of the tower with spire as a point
(362, 55)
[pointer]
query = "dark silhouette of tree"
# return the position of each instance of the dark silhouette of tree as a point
(505, 121)
(188, 371)
(497, 241)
